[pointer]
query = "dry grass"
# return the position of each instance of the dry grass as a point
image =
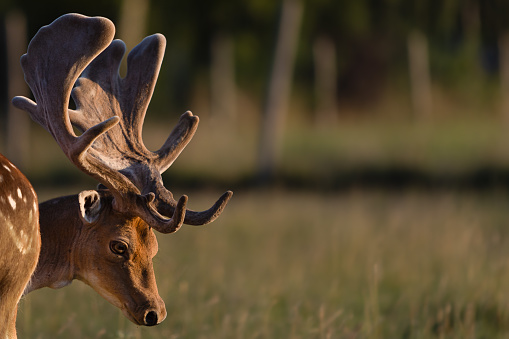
(307, 265)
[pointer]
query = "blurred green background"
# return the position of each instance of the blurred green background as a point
(365, 141)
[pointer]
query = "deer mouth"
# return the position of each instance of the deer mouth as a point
(129, 315)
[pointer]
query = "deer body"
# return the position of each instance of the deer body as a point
(105, 237)
(19, 241)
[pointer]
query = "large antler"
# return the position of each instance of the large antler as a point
(116, 157)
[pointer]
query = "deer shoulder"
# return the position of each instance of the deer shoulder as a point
(19, 241)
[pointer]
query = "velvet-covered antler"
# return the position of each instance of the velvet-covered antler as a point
(110, 111)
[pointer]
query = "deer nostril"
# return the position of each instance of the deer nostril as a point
(151, 318)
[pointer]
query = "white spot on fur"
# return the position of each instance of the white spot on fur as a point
(20, 195)
(7, 168)
(12, 202)
(22, 241)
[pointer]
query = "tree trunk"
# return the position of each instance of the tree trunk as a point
(420, 79)
(324, 53)
(503, 47)
(278, 94)
(132, 25)
(18, 122)
(222, 80)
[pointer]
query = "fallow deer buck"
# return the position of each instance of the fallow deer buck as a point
(104, 237)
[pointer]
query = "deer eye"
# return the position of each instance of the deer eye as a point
(118, 247)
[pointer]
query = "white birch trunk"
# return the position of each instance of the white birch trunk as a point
(324, 55)
(420, 79)
(18, 122)
(503, 47)
(132, 24)
(222, 80)
(278, 96)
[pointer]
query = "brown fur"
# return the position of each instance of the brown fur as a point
(19, 242)
(72, 249)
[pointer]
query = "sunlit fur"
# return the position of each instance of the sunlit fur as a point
(82, 251)
(19, 242)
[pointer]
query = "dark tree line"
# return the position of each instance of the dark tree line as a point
(346, 51)
(370, 36)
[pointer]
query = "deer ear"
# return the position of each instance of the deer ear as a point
(90, 206)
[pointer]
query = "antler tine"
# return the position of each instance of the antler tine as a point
(56, 56)
(205, 217)
(179, 137)
(159, 222)
(195, 218)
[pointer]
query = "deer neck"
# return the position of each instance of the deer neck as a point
(60, 228)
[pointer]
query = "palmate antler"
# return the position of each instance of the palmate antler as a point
(110, 111)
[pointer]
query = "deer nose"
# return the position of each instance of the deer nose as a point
(151, 318)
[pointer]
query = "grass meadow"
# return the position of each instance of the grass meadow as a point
(290, 264)
(307, 261)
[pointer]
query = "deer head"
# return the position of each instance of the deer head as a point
(114, 250)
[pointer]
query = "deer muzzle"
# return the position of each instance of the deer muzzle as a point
(149, 314)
